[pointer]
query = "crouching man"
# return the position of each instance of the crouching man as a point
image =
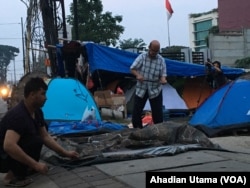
(22, 135)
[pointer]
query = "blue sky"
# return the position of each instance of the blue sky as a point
(144, 19)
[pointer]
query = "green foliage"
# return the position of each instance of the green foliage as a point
(243, 63)
(132, 43)
(95, 26)
(204, 13)
(214, 29)
(7, 53)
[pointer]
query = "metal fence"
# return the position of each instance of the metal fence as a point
(197, 57)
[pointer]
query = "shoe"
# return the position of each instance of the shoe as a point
(19, 183)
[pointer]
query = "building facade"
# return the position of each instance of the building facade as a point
(233, 15)
(199, 26)
(223, 33)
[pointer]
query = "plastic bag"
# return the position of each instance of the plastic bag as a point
(89, 114)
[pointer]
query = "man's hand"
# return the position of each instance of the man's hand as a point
(139, 78)
(41, 168)
(72, 154)
(163, 80)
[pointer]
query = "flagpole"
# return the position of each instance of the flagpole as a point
(168, 34)
(169, 14)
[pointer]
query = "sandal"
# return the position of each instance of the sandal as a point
(19, 183)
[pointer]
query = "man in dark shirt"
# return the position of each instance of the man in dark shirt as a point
(219, 79)
(22, 135)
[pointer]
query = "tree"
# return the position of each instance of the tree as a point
(93, 25)
(243, 63)
(173, 49)
(129, 43)
(7, 53)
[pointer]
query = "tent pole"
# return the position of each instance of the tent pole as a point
(99, 78)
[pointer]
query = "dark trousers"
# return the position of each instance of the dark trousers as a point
(19, 169)
(156, 108)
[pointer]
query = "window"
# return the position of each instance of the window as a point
(201, 31)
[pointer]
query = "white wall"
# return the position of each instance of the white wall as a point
(229, 47)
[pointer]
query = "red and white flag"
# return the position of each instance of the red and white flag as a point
(169, 9)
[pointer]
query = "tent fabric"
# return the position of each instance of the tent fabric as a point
(172, 102)
(226, 109)
(77, 127)
(112, 59)
(67, 100)
(60, 63)
(171, 99)
(195, 91)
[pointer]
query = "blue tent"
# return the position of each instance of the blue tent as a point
(68, 100)
(115, 60)
(226, 109)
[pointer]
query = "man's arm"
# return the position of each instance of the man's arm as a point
(135, 66)
(15, 151)
(138, 76)
(53, 145)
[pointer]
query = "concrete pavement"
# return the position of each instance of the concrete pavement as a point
(132, 173)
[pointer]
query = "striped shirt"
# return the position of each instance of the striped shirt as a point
(152, 70)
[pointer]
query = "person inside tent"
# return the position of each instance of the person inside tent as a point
(22, 135)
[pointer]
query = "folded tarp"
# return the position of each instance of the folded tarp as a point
(74, 127)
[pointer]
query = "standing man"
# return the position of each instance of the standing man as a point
(219, 79)
(22, 135)
(149, 68)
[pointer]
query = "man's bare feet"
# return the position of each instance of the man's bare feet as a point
(8, 177)
(10, 180)
(19, 183)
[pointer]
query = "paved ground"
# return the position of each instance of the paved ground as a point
(132, 173)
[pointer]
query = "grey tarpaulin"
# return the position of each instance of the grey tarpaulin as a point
(168, 138)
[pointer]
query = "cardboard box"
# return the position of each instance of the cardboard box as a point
(118, 99)
(103, 98)
(106, 99)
